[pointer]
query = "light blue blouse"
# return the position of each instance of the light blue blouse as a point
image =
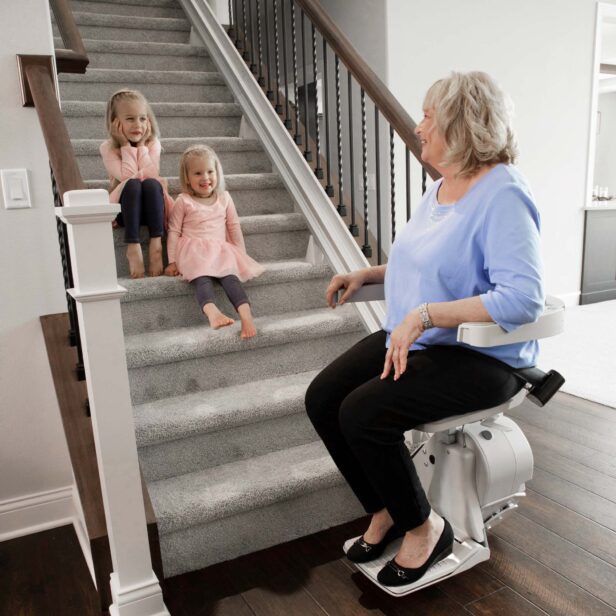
(485, 244)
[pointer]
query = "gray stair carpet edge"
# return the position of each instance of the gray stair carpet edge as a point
(140, 48)
(165, 286)
(186, 343)
(90, 147)
(129, 9)
(143, 3)
(220, 409)
(226, 490)
(101, 75)
(135, 22)
(80, 109)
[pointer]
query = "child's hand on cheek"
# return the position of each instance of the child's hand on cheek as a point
(117, 133)
(146, 134)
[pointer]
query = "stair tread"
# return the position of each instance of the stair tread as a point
(185, 343)
(220, 409)
(87, 18)
(141, 48)
(166, 286)
(90, 147)
(149, 3)
(113, 75)
(97, 108)
(229, 489)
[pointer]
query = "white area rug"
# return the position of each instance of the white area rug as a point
(585, 354)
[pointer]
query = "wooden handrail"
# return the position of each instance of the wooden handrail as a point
(59, 146)
(385, 101)
(73, 59)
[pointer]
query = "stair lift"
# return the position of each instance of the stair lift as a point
(473, 467)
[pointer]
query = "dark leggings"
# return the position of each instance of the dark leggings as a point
(204, 288)
(362, 419)
(142, 203)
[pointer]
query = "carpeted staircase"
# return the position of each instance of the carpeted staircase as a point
(231, 461)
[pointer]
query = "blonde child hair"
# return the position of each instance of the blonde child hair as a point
(200, 151)
(111, 113)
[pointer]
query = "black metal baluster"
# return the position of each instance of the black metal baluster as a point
(231, 29)
(307, 152)
(261, 79)
(424, 178)
(278, 106)
(297, 136)
(245, 55)
(366, 249)
(329, 189)
(287, 116)
(408, 184)
(318, 170)
(378, 185)
(253, 46)
(341, 207)
(392, 176)
(353, 226)
(238, 40)
(268, 52)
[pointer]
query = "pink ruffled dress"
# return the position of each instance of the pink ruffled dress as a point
(206, 240)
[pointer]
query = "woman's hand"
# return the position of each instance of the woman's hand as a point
(399, 342)
(350, 282)
(172, 270)
(117, 133)
(146, 135)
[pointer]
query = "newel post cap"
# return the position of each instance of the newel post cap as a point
(87, 206)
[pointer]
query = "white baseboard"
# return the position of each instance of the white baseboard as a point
(570, 299)
(36, 512)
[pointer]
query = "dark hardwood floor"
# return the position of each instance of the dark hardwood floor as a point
(556, 555)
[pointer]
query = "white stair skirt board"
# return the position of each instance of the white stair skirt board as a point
(465, 555)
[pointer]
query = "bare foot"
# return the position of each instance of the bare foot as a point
(380, 523)
(248, 325)
(418, 543)
(216, 318)
(135, 260)
(156, 256)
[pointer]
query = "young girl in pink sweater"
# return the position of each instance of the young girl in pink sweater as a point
(132, 158)
(205, 242)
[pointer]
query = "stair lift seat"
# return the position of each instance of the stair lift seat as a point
(473, 467)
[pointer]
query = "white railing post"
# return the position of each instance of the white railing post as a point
(134, 586)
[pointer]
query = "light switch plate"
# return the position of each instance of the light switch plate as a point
(15, 188)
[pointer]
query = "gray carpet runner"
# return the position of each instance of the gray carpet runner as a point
(232, 463)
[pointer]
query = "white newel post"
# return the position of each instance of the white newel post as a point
(134, 586)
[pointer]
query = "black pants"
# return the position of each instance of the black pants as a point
(362, 419)
(142, 203)
(204, 289)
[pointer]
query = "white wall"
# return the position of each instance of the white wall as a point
(541, 54)
(605, 161)
(33, 454)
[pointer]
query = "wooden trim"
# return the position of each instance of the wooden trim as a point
(59, 146)
(73, 59)
(71, 395)
(25, 61)
(386, 102)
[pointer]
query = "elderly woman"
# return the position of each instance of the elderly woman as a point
(470, 253)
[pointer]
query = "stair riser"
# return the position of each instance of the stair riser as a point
(93, 127)
(161, 93)
(183, 311)
(260, 246)
(92, 167)
(134, 10)
(151, 62)
(220, 540)
(207, 450)
(183, 377)
(103, 33)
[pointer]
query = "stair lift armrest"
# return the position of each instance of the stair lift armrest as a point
(367, 293)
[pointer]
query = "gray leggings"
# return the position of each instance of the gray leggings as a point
(204, 289)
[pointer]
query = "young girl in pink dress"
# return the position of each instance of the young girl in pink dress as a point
(205, 242)
(132, 158)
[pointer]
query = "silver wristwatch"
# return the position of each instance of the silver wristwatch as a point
(425, 316)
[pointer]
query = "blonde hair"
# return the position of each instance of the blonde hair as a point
(473, 116)
(205, 152)
(111, 113)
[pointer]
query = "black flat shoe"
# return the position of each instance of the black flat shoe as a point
(362, 551)
(392, 574)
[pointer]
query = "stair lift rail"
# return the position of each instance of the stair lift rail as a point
(356, 120)
(473, 467)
